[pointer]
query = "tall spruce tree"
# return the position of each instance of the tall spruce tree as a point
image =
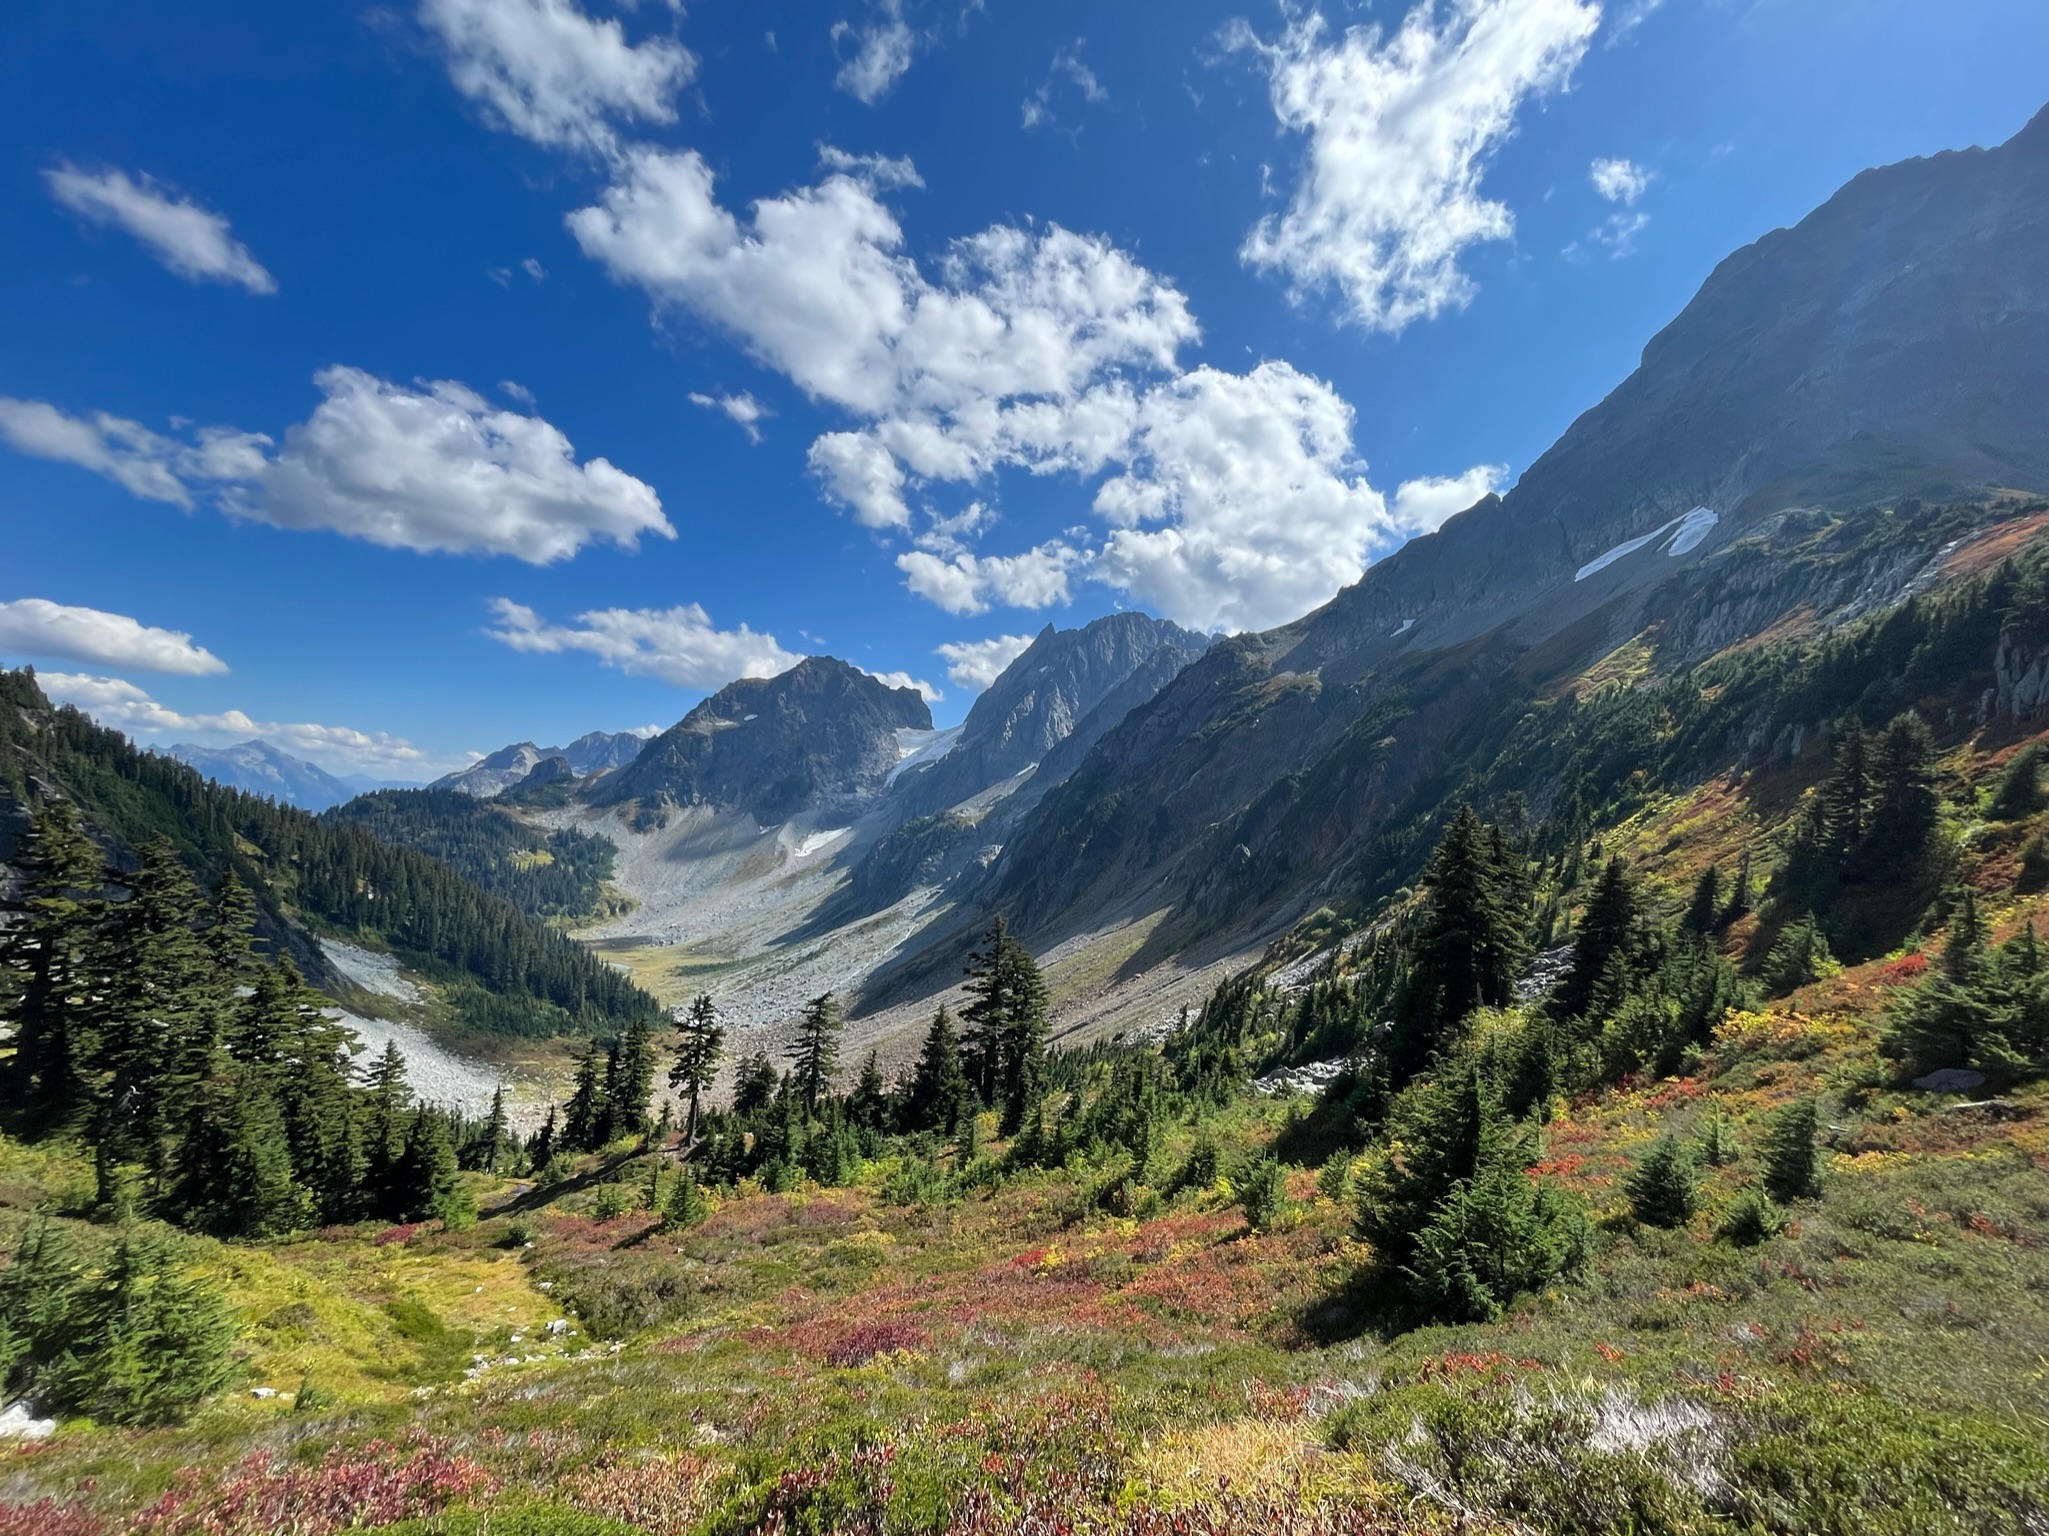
(1607, 930)
(48, 950)
(1004, 1048)
(701, 1041)
(629, 1081)
(1472, 939)
(586, 1117)
(938, 1089)
(815, 1056)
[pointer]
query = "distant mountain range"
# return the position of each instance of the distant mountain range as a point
(597, 752)
(262, 769)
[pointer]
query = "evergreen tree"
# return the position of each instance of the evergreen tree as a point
(1663, 1188)
(815, 1057)
(2019, 792)
(1845, 799)
(1739, 902)
(587, 1116)
(629, 1081)
(258, 1194)
(701, 1040)
(868, 1104)
(938, 1088)
(754, 1088)
(388, 1097)
(1791, 1168)
(1984, 1011)
(1800, 956)
(1704, 911)
(428, 1184)
(1905, 808)
(1606, 929)
(1474, 934)
(48, 950)
(496, 1139)
(149, 1344)
(1496, 1236)
(687, 1206)
(230, 937)
(541, 1150)
(1003, 1050)
(1448, 1128)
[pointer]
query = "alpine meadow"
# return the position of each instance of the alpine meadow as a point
(1304, 772)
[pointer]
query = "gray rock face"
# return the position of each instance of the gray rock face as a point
(597, 752)
(1061, 682)
(819, 736)
(261, 769)
(1890, 345)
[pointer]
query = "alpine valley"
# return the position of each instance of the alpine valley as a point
(1552, 1040)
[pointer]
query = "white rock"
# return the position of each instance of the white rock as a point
(18, 1422)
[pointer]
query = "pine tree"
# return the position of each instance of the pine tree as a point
(587, 1116)
(701, 1040)
(939, 1087)
(541, 1150)
(230, 937)
(1791, 1167)
(1663, 1188)
(1740, 898)
(1800, 956)
(1905, 808)
(388, 1097)
(49, 951)
(152, 1343)
(1845, 799)
(1448, 1128)
(815, 1057)
(687, 1206)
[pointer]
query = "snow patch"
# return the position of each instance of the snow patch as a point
(374, 973)
(1403, 628)
(817, 840)
(1693, 528)
(18, 1422)
(920, 749)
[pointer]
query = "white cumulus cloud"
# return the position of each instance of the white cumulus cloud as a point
(680, 646)
(1400, 129)
(742, 409)
(434, 468)
(962, 582)
(900, 679)
(120, 704)
(882, 48)
(188, 239)
(544, 70)
(35, 626)
(1619, 181)
(1423, 504)
(975, 664)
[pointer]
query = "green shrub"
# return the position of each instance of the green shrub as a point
(1664, 1189)
(612, 1200)
(1262, 1194)
(1791, 1168)
(1800, 956)
(2019, 793)
(517, 1520)
(1499, 1235)
(1751, 1220)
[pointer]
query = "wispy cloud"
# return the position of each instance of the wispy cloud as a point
(676, 645)
(187, 239)
(36, 627)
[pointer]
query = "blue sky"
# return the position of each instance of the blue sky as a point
(397, 382)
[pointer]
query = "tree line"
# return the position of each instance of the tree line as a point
(499, 968)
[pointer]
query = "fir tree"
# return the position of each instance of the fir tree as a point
(1788, 1153)
(754, 1087)
(587, 1116)
(48, 951)
(1496, 1236)
(937, 1086)
(1003, 1051)
(1606, 929)
(1663, 1188)
(258, 1194)
(541, 1150)
(1704, 911)
(388, 1097)
(428, 1185)
(1800, 956)
(151, 1342)
(1740, 898)
(1905, 807)
(1473, 938)
(687, 1206)
(701, 1040)
(2019, 792)
(629, 1081)
(815, 1057)
(868, 1104)
(1845, 799)
(495, 1138)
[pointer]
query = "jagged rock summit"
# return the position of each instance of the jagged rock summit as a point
(822, 735)
(593, 753)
